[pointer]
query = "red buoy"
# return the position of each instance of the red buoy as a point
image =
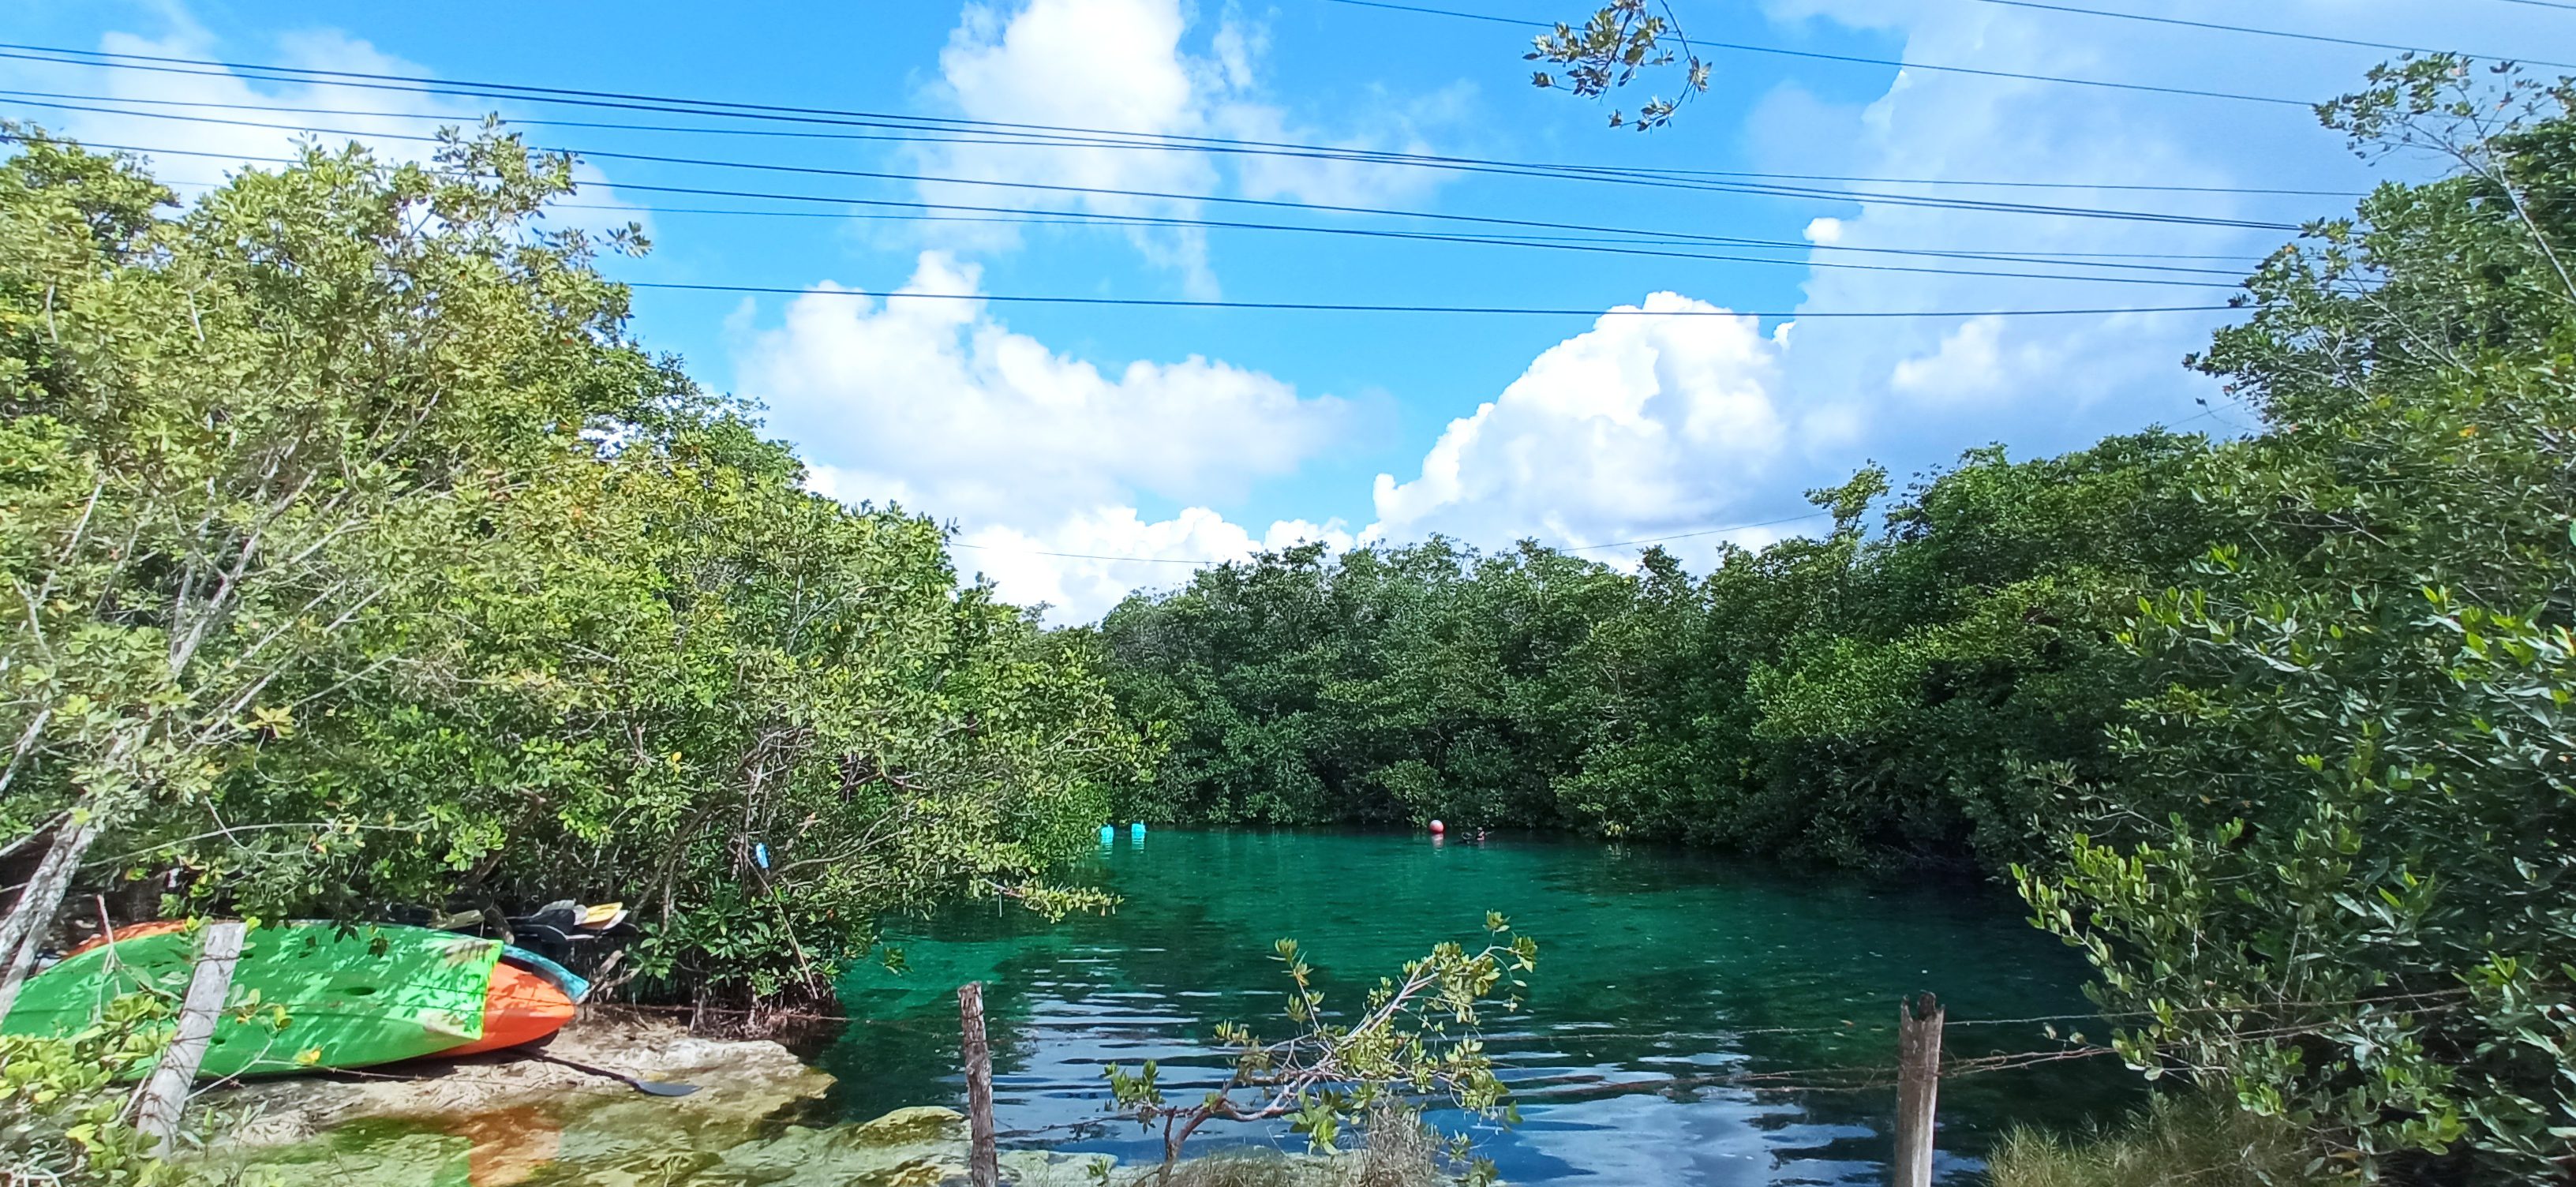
(1438, 828)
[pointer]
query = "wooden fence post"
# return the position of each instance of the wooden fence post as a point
(983, 1161)
(164, 1095)
(1918, 1088)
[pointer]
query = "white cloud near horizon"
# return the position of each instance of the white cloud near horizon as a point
(1081, 567)
(1639, 426)
(938, 406)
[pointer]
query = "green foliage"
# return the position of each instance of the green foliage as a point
(361, 558)
(1340, 1069)
(1402, 1151)
(2277, 728)
(64, 1101)
(2332, 867)
(1859, 698)
(1609, 49)
(240, 435)
(2178, 1140)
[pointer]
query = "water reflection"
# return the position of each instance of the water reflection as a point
(1653, 964)
(508, 1146)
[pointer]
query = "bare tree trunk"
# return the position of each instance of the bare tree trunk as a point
(164, 1095)
(983, 1167)
(22, 930)
(1918, 1088)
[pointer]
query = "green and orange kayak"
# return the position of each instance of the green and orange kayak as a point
(351, 995)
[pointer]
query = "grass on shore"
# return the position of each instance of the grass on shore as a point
(1402, 1151)
(2178, 1140)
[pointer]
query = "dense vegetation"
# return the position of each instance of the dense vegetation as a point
(2277, 729)
(1858, 697)
(359, 558)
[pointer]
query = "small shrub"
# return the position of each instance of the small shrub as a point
(1402, 1151)
(65, 1102)
(2196, 1140)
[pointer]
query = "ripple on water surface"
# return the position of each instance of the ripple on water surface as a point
(1653, 963)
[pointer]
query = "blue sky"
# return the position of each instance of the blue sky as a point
(1179, 435)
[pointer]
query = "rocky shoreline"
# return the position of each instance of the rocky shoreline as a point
(505, 1119)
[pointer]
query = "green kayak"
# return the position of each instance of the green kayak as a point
(353, 995)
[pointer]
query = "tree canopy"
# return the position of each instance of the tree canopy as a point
(2275, 729)
(361, 558)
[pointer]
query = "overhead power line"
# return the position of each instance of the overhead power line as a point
(1081, 220)
(2250, 31)
(1349, 307)
(410, 84)
(1757, 189)
(1365, 232)
(1360, 156)
(1741, 47)
(1339, 307)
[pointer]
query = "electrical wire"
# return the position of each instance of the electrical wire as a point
(1838, 196)
(412, 84)
(1345, 307)
(1081, 219)
(1741, 47)
(1077, 220)
(1378, 233)
(2248, 30)
(1027, 140)
(1619, 235)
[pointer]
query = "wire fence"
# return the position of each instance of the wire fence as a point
(1557, 1089)
(1573, 1087)
(1580, 1035)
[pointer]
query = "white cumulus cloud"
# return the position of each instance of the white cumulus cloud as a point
(1641, 425)
(1974, 362)
(1082, 566)
(937, 398)
(935, 404)
(199, 125)
(1139, 66)
(1915, 390)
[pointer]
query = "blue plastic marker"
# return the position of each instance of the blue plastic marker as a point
(1108, 834)
(1137, 829)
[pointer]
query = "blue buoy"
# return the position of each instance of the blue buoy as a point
(1137, 829)
(1108, 834)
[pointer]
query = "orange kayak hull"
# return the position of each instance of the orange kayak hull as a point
(521, 1007)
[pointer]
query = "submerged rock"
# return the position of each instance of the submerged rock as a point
(740, 1082)
(914, 1147)
(919, 1123)
(504, 1119)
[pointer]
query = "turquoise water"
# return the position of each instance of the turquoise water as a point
(1653, 964)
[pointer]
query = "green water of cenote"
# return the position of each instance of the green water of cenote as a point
(1655, 964)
